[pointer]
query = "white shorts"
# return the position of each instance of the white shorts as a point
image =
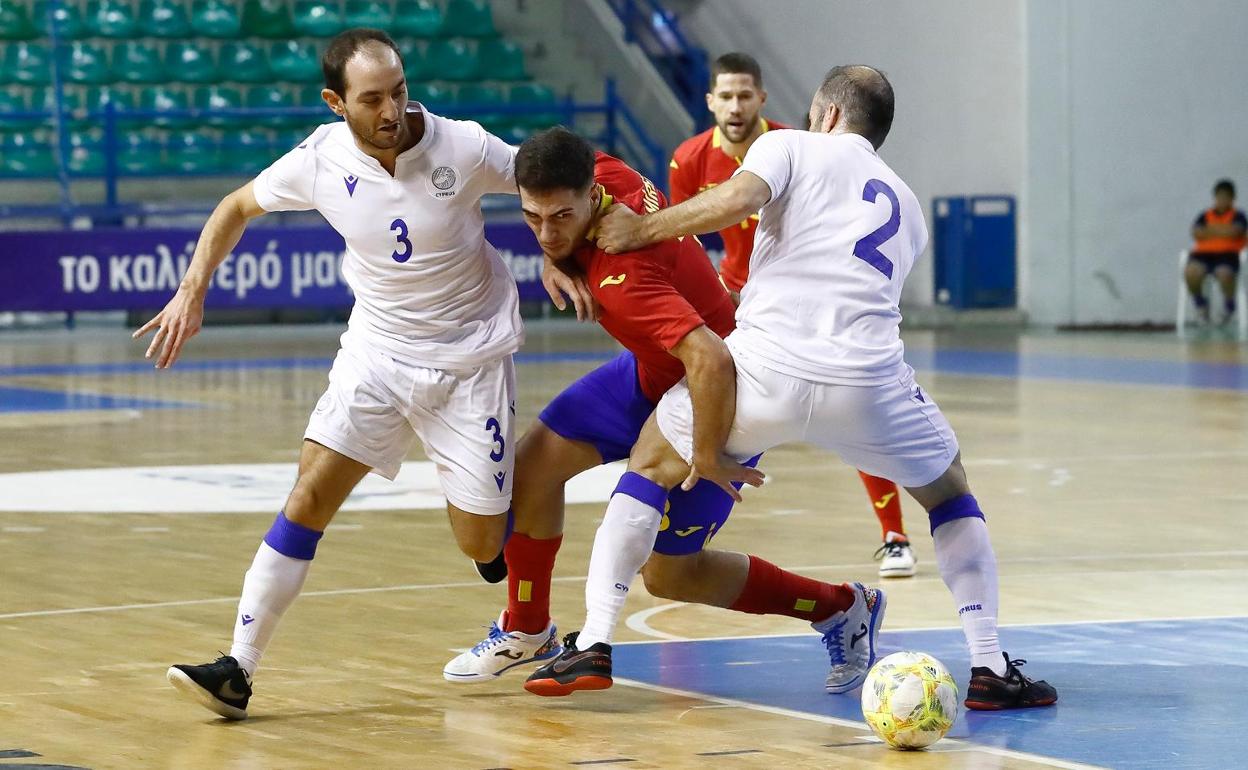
(375, 406)
(893, 430)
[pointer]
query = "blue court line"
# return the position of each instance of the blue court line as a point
(35, 400)
(976, 363)
(1139, 694)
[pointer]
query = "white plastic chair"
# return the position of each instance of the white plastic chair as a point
(1241, 295)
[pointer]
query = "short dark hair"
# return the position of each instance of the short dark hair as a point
(865, 97)
(343, 47)
(555, 159)
(736, 63)
(1224, 184)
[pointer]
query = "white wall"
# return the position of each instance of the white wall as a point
(1109, 119)
(1136, 108)
(956, 69)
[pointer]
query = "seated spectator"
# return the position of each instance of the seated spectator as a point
(1220, 234)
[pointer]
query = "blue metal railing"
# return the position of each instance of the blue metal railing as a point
(683, 65)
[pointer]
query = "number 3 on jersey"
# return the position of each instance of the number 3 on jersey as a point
(868, 248)
(406, 254)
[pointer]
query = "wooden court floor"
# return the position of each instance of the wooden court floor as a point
(1109, 498)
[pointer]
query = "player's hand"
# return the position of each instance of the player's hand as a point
(560, 278)
(619, 230)
(180, 320)
(722, 471)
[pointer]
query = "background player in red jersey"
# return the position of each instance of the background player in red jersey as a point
(701, 162)
(665, 306)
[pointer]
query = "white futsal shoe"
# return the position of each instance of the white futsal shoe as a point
(896, 558)
(850, 638)
(500, 651)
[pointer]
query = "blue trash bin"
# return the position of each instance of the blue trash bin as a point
(974, 249)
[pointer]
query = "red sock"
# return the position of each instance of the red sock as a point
(529, 566)
(887, 504)
(770, 590)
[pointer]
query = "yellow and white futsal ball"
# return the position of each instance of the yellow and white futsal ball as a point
(909, 700)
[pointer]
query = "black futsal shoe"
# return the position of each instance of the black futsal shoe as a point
(221, 686)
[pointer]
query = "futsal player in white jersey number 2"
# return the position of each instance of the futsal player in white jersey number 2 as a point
(427, 352)
(819, 355)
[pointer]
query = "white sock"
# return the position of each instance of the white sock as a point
(269, 588)
(969, 568)
(623, 543)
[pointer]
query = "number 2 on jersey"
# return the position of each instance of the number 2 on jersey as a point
(868, 247)
(406, 254)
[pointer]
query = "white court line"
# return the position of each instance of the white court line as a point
(581, 578)
(23, 529)
(954, 742)
(637, 622)
(1044, 624)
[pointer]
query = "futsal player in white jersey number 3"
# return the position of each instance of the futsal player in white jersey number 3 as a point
(818, 351)
(427, 352)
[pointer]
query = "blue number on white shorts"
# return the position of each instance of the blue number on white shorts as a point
(497, 454)
(406, 254)
(868, 248)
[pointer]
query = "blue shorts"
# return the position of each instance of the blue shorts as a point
(607, 409)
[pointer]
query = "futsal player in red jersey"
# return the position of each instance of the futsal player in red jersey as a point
(665, 306)
(701, 162)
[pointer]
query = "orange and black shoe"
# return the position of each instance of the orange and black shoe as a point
(989, 692)
(573, 670)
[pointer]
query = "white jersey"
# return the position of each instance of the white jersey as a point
(833, 247)
(429, 289)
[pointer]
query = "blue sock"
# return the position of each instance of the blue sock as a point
(962, 507)
(291, 539)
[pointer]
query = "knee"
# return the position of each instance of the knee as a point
(482, 546)
(305, 504)
(666, 577)
(1194, 272)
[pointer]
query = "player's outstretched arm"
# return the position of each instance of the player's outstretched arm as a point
(621, 230)
(181, 318)
(712, 380)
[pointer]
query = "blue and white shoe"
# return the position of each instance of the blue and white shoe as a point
(500, 651)
(850, 638)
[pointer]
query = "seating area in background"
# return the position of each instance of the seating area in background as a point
(187, 63)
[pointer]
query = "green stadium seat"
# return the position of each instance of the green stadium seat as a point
(85, 62)
(12, 100)
(192, 152)
(431, 94)
(66, 17)
(420, 18)
(164, 98)
(295, 62)
(534, 95)
(97, 98)
(309, 95)
(164, 18)
(368, 13)
(480, 95)
(139, 153)
(318, 18)
(86, 152)
(246, 152)
(244, 63)
(512, 133)
(468, 18)
(216, 18)
(27, 63)
(451, 60)
(269, 97)
(414, 63)
(111, 18)
(214, 98)
(23, 153)
(15, 21)
(191, 62)
(267, 18)
(501, 60)
(44, 100)
(137, 61)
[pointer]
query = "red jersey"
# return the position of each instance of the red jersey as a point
(700, 163)
(651, 298)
